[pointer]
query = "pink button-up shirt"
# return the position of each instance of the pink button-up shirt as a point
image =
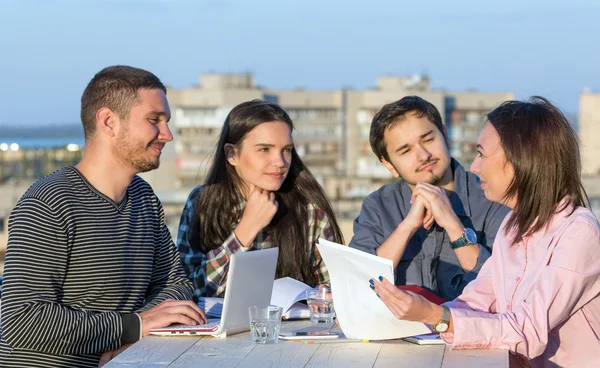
(539, 298)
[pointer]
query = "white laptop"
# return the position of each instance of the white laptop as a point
(249, 283)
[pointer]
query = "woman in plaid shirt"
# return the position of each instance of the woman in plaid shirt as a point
(258, 194)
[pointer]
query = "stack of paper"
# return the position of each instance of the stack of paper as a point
(362, 315)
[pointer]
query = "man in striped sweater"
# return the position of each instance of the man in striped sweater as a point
(90, 265)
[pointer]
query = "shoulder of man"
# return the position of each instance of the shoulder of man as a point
(52, 189)
(386, 195)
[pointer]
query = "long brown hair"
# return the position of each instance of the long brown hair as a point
(220, 194)
(544, 151)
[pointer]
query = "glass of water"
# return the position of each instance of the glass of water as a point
(265, 323)
(320, 304)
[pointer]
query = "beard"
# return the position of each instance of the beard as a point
(135, 153)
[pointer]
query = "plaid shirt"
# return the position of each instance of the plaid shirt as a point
(208, 271)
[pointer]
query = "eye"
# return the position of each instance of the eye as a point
(154, 120)
(479, 154)
(288, 150)
(264, 149)
(429, 140)
(404, 152)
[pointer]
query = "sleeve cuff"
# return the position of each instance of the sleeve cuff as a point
(132, 328)
(473, 330)
(232, 245)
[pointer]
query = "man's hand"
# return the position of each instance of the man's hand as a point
(418, 216)
(172, 311)
(260, 210)
(437, 202)
(107, 356)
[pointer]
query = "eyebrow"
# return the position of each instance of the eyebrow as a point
(271, 145)
(406, 145)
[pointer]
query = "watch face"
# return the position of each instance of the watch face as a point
(441, 327)
(471, 236)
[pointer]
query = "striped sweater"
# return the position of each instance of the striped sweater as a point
(78, 265)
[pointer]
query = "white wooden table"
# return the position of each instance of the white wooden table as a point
(239, 351)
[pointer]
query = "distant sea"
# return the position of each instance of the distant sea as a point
(29, 143)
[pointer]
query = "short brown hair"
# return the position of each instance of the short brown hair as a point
(116, 88)
(393, 113)
(544, 151)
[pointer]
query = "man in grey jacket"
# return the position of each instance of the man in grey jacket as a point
(434, 223)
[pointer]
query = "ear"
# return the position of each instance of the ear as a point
(388, 165)
(230, 153)
(106, 121)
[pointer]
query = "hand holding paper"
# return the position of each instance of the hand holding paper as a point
(361, 313)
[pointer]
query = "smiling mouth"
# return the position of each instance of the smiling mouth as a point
(157, 147)
(276, 175)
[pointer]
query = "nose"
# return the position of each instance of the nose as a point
(164, 133)
(279, 160)
(422, 154)
(475, 166)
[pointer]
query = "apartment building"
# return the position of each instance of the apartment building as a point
(331, 135)
(589, 132)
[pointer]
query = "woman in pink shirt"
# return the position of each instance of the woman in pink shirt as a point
(539, 293)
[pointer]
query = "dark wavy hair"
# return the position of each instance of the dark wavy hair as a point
(543, 149)
(393, 113)
(289, 227)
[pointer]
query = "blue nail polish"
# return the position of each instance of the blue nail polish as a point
(380, 278)
(372, 282)
(372, 287)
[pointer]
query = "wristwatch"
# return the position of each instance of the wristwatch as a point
(468, 237)
(443, 324)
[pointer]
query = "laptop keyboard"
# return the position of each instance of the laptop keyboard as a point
(208, 325)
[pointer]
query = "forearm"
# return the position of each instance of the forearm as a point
(63, 331)
(246, 233)
(467, 255)
(394, 246)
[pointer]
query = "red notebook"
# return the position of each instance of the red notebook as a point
(424, 293)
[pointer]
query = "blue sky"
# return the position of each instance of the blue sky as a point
(49, 49)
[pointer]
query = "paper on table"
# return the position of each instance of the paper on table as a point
(362, 315)
(286, 293)
(428, 339)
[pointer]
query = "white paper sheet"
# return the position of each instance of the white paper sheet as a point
(362, 315)
(286, 292)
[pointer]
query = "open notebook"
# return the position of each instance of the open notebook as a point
(249, 283)
(288, 293)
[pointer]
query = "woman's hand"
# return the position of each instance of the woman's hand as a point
(260, 210)
(406, 305)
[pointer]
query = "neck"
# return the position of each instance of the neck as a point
(447, 181)
(105, 173)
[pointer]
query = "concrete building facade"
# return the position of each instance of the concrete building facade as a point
(589, 132)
